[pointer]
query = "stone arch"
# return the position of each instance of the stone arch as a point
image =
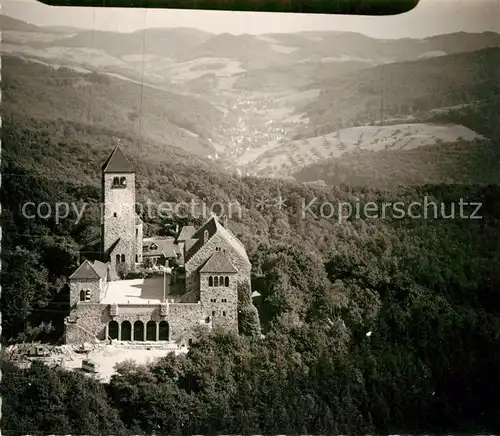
(126, 331)
(138, 331)
(151, 331)
(163, 331)
(113, 330)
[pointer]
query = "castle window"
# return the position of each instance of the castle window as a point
(114, 214)
(123, 181)
(226, 281)
(223, 313)
(224, 300)
(116, 182)
(137, 258)
(221, 281)
(213, 312)
(216, 281)
(82, 295)
(136, 233)
(87, 295)
(210, 281)
(123, 258)
(117, 258)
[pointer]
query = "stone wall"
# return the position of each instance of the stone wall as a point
(204, 253)
(183, 318)
(86, 323)
(223, 314)
(122, 226)
(138, 241)
(89, 321)
(93, 285)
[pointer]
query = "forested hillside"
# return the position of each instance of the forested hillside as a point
(426, 289)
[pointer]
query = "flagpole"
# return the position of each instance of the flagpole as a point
(164, 282)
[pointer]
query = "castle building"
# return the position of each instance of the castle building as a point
(198, 289)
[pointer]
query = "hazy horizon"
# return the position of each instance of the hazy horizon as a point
(439, 16)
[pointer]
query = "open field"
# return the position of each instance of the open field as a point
(284, 159)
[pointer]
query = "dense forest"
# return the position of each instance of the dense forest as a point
(371, 325)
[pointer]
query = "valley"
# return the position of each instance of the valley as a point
(267, 105)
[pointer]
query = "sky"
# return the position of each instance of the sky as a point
(430, 17)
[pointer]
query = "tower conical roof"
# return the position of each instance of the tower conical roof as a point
(117, 162)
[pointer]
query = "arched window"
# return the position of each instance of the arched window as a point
(123, 181)
(116, 181)
(216, 281)
(87, 295)
(210, 281)
(117, 258)
(82, 295)
(221, 281)
(223, 313)
(136, 258)
(123, 258)
(226, 281)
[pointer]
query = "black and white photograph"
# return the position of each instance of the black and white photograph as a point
(222, 222)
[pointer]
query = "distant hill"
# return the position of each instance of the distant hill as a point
(165, 42)
(404, 88)
(262, 104)
(41, 92)
(12, 24)
(62, 29)
(287, 159)
(460, 162)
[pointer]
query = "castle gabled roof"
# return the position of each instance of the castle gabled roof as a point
(165, 246)
(186, 233)
(89, 271)
(213, 226)
(218, 263)
(117, 162)
(101, 268)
